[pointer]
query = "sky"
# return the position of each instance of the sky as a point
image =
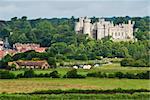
(67, 8)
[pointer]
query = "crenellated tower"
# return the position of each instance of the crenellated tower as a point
(102, 28)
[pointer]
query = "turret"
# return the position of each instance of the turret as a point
(87, 26)
(77, 27)
(101, 20)
(129, 22)
(81, 19)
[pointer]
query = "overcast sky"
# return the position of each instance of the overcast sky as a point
(67, 8)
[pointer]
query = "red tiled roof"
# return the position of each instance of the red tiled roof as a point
(30, 63)
(2, 53)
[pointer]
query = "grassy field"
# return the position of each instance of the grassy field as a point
(136, 96)
(108, 68)
(34, 84)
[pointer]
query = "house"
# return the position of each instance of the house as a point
(29, 64)
(2, 54)
(19, 47)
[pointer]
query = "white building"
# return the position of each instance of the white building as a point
(102, 28)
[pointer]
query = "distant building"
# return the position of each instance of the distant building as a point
(19, 47)
(30, 64)
(2, 54)
(6, 44)
(102, 28)
(1, 45)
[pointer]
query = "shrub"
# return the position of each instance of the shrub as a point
(143, 75)
(97, 74)
(127, 62)
(29, 73)
(6, 75)
(111, 75)
(73, 74)
(119, 75)
(52, 61)
(40, 75)
(54, 74)
(130, 76)
(46, 75)
(20, 75)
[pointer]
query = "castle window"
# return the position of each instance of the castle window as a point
(116, 34)
(122, 33)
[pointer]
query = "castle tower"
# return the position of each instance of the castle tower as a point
(130, 29)
(100, 28)
(79, 25)
(87, 27)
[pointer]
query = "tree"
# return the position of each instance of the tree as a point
(29, 73)
(52, 61)
(73, 74)
(54, 74)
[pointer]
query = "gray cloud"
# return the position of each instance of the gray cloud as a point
(61, 8)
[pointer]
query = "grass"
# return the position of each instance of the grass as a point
(137, 96)
(34, 84)
(108, 68)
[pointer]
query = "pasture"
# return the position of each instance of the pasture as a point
(108, 68)
(25, 85)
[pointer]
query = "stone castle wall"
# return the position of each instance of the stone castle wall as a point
(102, 28)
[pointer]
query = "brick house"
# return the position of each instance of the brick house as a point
(30, 64)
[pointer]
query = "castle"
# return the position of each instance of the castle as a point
(102, 28)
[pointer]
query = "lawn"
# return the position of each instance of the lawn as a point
(34, 84)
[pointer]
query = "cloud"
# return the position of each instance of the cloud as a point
(8, 9)
(65, 8)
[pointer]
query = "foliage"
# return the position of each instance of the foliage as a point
(63, 44)
(119, 90)
(6, 75)
(120, 75)
(73, 74)
(29, 74)
(54, 74)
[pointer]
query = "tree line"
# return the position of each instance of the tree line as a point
(4, 74)
(64, 44)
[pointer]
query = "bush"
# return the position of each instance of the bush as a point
(80, 91)
(20, 75)
(54, 74)
(52, 61)
(111, 75)
(41, 75)
(130, 76)
(73, 74)
(29, 73)
(97, 74)
(134, 63)
(127, 62)
(6, 75)
(119, 75)
(144, 75)
(46, 75)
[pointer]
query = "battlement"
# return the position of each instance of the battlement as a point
(102, 28)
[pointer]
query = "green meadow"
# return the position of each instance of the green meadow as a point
(25, 85)
(108, 68)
